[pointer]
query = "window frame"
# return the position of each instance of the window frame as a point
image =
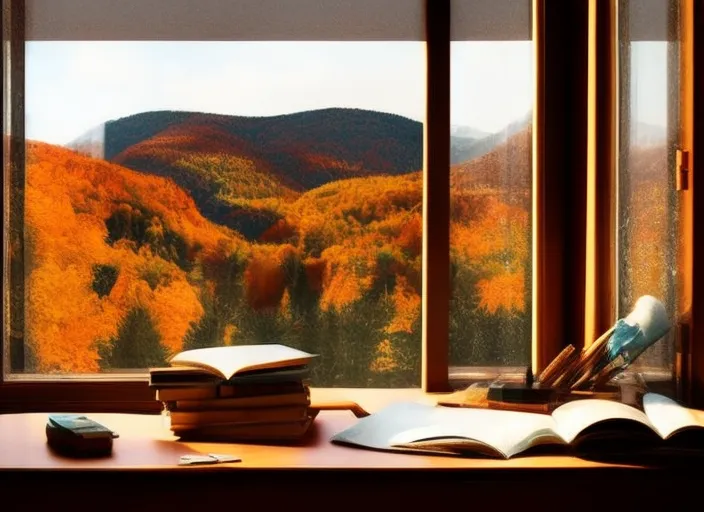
(604, 123)
(571, 242)
(690, 327)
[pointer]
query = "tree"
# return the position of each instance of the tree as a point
(224, 305)
(104, 278)
(137, 344)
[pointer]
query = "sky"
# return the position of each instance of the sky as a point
(649, 81)
(72, 87)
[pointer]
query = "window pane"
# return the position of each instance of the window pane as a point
(647, 199)
(490, 180)
(191, 194)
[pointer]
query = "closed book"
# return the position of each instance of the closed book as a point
(247, 402)
(184, 419)
(186, 393)
(182, 376)
(282, 431)
(174, 393)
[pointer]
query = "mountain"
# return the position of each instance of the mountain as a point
(244, 172)
(124, 264)
(303, 150)
(506, 167)
(467, 132)
(91, 143)
(238, 169)
(464, 149)
(645, 134)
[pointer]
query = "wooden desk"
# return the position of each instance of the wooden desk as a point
(143, 471)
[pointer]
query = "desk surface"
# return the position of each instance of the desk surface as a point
(145, 442)
(142, 472)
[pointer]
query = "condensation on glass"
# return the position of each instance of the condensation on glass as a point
(647, 197)
(492, 87)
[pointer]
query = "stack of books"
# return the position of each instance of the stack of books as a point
(237, 393)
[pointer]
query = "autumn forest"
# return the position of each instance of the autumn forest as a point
(179, 230)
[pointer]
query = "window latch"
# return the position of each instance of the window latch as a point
(682, 170)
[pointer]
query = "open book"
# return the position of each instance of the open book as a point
(223, 363)
(594, 424)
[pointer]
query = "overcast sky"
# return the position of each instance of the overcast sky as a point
(72, 87)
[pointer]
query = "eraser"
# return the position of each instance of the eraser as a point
(520, 393)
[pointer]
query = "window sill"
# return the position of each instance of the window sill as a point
(126, 393)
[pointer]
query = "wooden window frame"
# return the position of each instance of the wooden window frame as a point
(690, 327)
(604, 124)
(571, 222)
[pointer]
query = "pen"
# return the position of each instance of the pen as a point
(210, 458)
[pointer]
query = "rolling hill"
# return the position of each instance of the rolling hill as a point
(201, 232)
(103, 243)
(242, 171)
(123, 270)
(204, 230)
(507, 166)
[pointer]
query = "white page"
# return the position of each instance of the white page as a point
(377, 430)
(667, 416)
(508, 432)
(230, 360)
(574, 417)
(403, 423)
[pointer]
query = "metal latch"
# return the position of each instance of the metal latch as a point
(682, 170)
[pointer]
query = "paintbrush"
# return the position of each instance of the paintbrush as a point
(629, 338)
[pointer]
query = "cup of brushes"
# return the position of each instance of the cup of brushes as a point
(574, 374)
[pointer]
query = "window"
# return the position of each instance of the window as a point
(398, 266)
(190, 193)
(491, 99)
(648, 199)
(235, 193)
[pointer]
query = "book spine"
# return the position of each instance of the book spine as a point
(237, 416)
(243, 403)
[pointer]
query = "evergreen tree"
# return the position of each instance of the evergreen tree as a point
(225, 306)
(137, 344)
(207, 332)
(104, 278)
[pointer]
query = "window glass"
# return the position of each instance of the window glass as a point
(490, 202)
(647, 197)
(188, 194)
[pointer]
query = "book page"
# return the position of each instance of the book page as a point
(227, 361)
(574, 417)
(667, 416)
(377, 430)
(414, 425)
(482, 431)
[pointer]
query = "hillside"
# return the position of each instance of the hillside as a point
(242, 171)
(507, 167)
(107, 246)
(123, 269)
(466, 149)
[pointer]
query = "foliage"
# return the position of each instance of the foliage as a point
(332, 266)
(104, 278)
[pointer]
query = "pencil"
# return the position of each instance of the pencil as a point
(590, 356)
(557, 366)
